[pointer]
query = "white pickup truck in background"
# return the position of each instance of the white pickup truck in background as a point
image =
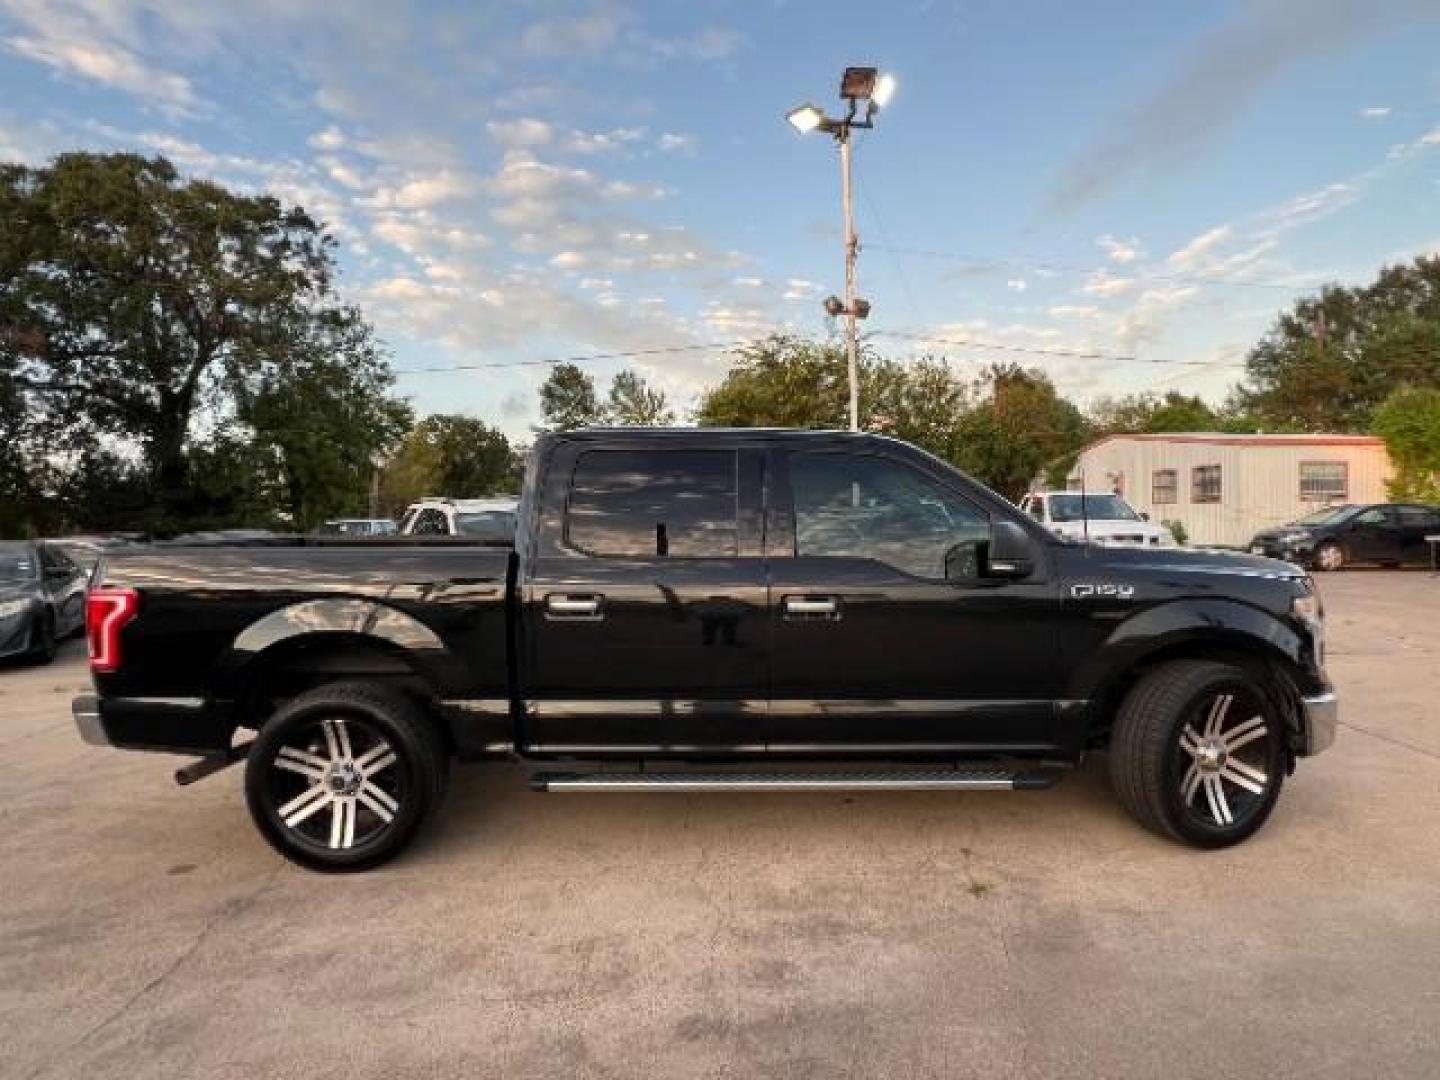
(1099, 516)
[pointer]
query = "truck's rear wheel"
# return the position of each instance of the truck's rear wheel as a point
(1198, 752)
(342, 777)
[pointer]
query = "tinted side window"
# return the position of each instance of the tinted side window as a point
(1374, 516)
(868, 507)
(647, 503)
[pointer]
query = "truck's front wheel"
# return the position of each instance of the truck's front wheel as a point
(1198, 752)
(343, 776)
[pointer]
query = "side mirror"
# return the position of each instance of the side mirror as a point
(1012, 553)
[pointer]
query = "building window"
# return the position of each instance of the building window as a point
(1324, 481)
(1205, 484)
(1164, 486)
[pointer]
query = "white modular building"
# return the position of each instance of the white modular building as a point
(1225, 488)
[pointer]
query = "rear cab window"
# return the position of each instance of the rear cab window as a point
(654, 503)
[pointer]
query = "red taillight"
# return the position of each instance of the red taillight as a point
(106, 613)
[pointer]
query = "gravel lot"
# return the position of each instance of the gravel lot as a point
(147, 931)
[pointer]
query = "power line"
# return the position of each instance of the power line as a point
(988, 262)
(581, 359)
(1078, 354)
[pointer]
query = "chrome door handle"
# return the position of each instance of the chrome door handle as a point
(811, 606)
(561, 606)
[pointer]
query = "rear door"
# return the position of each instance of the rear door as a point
(885, 637)
(644, 611)
(1416, 523)
(1375, 535)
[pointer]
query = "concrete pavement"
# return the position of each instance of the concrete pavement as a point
(146, 930)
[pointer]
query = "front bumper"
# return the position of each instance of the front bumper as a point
(171, 725)
(1322, 716)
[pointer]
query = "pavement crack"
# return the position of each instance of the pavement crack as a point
(1391, 740)
(226, 912)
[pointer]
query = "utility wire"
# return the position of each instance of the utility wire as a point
(1079, 354)
(581, 359)
(980, 262)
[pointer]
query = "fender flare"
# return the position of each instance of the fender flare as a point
(339, 620)
(1203, 624)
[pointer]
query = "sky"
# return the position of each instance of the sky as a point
(1121, 193)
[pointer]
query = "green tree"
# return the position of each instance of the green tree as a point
(568, 401)
(133, 301)
(458, 456)
(1409, 422)
(1019, 429)
(633, 403)
(1333, 358)
(782, 381)
(1003, 427)
(1150, 412)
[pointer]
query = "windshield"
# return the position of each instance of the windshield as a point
(1096, 507)
(491, 526)
(17, 564)
(1331, 515)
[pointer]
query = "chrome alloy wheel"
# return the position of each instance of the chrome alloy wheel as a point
(1330, 557)
(334, 784)
(1225, 778)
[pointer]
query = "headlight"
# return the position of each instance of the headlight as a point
(13, 607)
(1309, 611)
(1293, 538)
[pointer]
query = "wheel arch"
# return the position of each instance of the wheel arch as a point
(1226, 632)
(297, 648)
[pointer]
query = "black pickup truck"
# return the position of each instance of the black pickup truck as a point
(712, 611)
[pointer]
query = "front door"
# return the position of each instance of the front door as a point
(884, 635)
(644, 624)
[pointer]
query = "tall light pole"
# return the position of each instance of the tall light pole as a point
(857, 85)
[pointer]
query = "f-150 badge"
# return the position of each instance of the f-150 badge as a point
(1121, 592)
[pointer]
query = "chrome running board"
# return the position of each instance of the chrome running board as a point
(840, 780)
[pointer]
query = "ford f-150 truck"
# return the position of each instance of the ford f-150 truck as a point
(712, 610)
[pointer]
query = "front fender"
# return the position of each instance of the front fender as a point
(279, 632)
(1205, 625)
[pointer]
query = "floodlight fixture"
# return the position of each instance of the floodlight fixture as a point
(806, 118)
(883, 91)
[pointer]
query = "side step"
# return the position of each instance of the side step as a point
(872, 780)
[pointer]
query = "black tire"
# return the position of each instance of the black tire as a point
(45, 646)
(319, 764)
(1152, 769)
(1329, 556)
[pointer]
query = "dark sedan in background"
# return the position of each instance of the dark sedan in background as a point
(42, 599)
(1389, 533)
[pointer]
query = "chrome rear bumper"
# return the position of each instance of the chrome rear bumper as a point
(1322, 716)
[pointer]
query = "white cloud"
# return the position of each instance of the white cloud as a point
(1073, 311)
(524, 131)
(342, 173)
(421, 191)
(1375, 112)
(569, 260)
(675, 142)
(110, 64)
(1120, 251)
(1017, 284)
(329, 138)
(1200, 247)
(1104, 283)
(602, 142)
